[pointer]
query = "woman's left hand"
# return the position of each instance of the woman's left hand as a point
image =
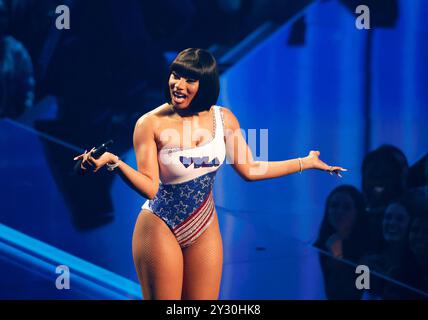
(316, 163)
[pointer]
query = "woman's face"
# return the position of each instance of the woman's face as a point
(395, 222)
(418, 237)
(342, 213)
(182, 90)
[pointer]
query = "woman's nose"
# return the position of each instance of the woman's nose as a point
(179, 84)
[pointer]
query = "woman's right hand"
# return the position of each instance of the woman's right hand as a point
(105, 158)
(84, 157)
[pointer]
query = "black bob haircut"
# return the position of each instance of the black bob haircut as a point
(198, 64)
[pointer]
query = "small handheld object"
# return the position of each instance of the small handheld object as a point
(98, 152)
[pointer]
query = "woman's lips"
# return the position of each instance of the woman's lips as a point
(178, 97)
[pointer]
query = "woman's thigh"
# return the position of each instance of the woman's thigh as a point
(203, 262)
(158, 258)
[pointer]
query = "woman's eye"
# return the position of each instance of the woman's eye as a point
(191, 80)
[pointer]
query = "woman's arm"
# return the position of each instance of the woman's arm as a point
(240, 156)
(145, 180)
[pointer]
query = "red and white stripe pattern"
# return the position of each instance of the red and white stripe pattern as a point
(191, 228)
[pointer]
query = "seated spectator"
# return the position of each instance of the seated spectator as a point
(384, 180)
(391, 260)
(342, 236)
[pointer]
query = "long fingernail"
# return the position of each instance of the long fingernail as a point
(75, 158)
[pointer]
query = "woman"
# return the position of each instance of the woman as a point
(395, 254)
(341, 232)
(342, 236)
(177, 246)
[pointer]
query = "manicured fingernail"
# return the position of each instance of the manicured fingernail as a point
(75, 158)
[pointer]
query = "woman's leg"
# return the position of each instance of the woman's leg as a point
(203, 262)
(158, 258)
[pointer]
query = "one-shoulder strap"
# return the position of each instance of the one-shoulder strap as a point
(219, 122)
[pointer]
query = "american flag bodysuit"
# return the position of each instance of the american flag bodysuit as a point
(184, 200)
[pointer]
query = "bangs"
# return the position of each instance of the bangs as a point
(187, 69)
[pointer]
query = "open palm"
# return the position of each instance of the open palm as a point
(317, 163)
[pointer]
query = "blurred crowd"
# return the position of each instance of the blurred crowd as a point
(384, 226)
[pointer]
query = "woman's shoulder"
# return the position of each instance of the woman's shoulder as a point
(230, 120)
(152, 117)
(222, 108)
